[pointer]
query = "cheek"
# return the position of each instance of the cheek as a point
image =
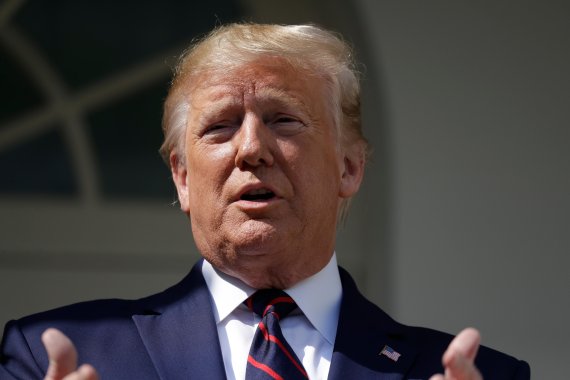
(210, 165)
(208, 170)
(204, 190)
(314, 172)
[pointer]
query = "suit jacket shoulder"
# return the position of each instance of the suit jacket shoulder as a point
(168, 335)
(365, 331)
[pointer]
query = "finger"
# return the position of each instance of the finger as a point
(459, 357)
(466, 344)
(85, 372)
(460, 368)
(61, 353)
(437, 377)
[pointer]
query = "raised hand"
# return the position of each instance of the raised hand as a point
(459, 357)
(63, 359)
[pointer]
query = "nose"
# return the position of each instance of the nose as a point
(254, 144)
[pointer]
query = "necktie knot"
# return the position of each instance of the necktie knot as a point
(274, 301)
(270, 356)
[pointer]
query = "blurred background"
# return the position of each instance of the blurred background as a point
(464, 216)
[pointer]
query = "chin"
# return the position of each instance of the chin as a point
(258, 247)
(257, 236)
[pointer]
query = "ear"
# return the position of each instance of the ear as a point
(352, 169)
(180, 178)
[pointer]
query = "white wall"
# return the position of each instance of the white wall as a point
(54, 253)
(477, 98)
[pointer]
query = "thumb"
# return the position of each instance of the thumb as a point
(61, 353)
(465, 344)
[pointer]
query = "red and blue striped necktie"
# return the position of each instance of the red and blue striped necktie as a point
(270, 356)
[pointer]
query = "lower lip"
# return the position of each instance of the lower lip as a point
(257, 205)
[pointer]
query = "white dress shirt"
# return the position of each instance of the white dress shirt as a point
(310, 331)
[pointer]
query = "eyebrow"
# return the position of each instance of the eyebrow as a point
(218, 107)
(281, 98)
(221, 100)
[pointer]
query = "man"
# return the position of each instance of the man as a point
(263, 138)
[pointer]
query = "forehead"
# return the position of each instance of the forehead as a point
(267, 80)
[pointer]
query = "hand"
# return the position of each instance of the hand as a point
(459, 357)
(63, 359)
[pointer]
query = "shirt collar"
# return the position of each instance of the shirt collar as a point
(227, 292)
(318, 296)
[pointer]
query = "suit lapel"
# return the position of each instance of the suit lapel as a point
(363, 331)
(180, 335)
(179, 331)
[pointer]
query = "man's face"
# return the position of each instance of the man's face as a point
(262, 175)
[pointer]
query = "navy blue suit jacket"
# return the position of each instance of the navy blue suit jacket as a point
(172, 335)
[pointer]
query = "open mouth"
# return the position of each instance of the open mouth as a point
(258, 195)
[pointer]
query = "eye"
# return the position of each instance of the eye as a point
(286, 125)
(216, 128)
(286, 119)
(219, 131)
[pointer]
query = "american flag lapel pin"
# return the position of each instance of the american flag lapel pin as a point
(390, 353)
